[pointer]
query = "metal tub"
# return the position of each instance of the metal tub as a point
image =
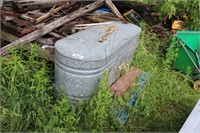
(80, 59)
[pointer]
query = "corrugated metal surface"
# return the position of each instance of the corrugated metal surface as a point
(80, 59)
(192, 124)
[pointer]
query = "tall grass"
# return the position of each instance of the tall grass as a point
(24, 88)
(168, 98)
(28, 102)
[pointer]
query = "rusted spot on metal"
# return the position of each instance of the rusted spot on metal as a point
(122, 85)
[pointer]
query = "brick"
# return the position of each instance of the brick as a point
(121, 86)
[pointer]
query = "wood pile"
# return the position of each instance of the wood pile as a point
(46, 21)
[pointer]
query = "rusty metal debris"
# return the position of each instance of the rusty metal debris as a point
(109, 31)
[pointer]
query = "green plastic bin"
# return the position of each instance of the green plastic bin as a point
(188, 51)
(188, 60)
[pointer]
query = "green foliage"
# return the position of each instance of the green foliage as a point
(167, 99)
(26, 95)
(172, 51)
(24, 88)
(146, 1)
(61, 118)
(168, 8)
(191, 10)
(28, 103)
(187, 9)
(97, 112)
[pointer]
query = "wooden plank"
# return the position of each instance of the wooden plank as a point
(45, 41)
(28, 5)
(94, 24)
(56, 35)
(52, 26)
(10, 38)
(48, 14)
(112, 7)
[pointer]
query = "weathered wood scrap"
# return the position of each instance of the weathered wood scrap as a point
(28, 5)
(53, 25)
(52, 11)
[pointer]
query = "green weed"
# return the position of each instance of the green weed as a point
(24, 88)
(172, 52)
(186, 9)
(168, 98)
(27, 100)
(97, 112)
